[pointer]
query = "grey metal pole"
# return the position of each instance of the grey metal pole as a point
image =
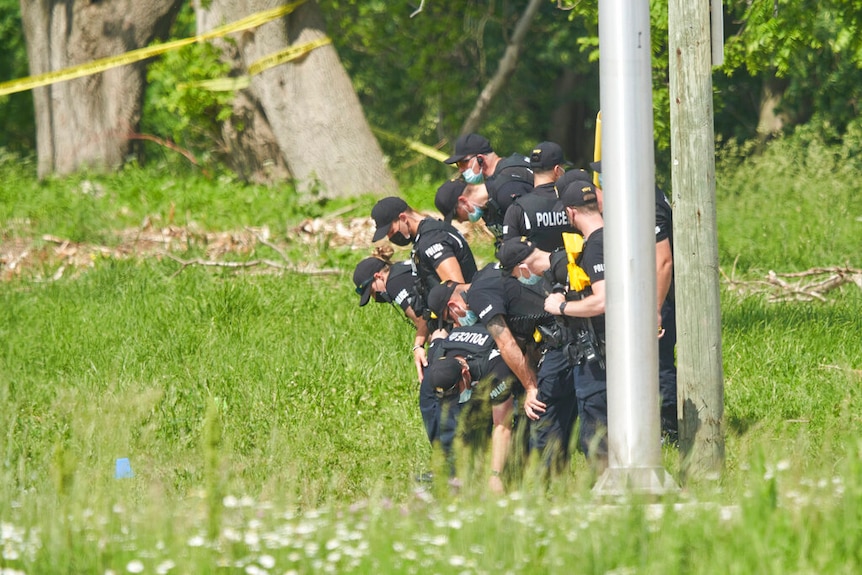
(628, 174)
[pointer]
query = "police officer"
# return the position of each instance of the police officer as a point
(439, 252)
(393, 283)
(534, 215)
(483, 378)
(511, 310)
(580, 201)
(464, 202)
(666, 303)
(550, 432)
(506, 179)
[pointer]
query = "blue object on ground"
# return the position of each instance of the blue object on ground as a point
(124, 468)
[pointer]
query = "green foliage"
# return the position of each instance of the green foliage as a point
(813, 48)
(449, 51)
(179, 110)
(16, 110)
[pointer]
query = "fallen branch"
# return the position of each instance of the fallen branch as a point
(248, 264)
(809, 285)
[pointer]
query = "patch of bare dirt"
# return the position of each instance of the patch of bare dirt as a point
(50, 257)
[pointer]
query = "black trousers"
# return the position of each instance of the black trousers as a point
(667, 367)
(550, 434)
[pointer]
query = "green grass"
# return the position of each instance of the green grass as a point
(272, 424)
(794, 208)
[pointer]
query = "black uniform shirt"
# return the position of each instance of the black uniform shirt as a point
(522, 305)
(512, 179)
(401, 285)
(474, 343)
(663, 218)
(664, 228)
(435, 242)
(592, 261)
(533, 215)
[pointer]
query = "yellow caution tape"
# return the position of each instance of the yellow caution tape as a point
(265, 63)
(218, 84)
(133, 56)
(286, 55)
(432, 153)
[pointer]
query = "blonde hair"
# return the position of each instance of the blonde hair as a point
(384, 254)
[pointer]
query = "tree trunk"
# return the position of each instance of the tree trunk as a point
(568, 119)
(86, 122)
(310, 103)
(770, 123)
(250, 147)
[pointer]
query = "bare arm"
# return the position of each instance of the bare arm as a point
(419, 355)
(517, 362)
(663, 269)
(590, 306)
(450, 269)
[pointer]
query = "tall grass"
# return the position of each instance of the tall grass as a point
(271, 423)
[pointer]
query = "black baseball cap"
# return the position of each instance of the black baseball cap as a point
(363, 277)
(570, 176)
(443, 374)
(576, 195)
(596, 166)
(546, 155)
(513, 251)
(469, 145)
(438, 297)
(384, 213)
(447, 196)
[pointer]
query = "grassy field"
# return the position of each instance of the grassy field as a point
(271, 424)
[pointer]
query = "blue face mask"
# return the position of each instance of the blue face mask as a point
(470, 318)
(472, 177)
(476, 214)
(600, 181)
(530, 280)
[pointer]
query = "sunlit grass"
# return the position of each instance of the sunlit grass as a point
(272, 425)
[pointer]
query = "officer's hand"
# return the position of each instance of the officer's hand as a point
(439, 334)
(660, 328)
(532, 406)
(553, 301)
(421, 360)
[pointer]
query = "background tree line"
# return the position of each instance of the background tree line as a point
(790, 66)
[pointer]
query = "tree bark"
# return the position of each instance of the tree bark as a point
(769, 122)
(86, 122)
(315, 115)
(568, 118)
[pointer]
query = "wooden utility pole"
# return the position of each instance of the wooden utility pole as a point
(698, 303)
